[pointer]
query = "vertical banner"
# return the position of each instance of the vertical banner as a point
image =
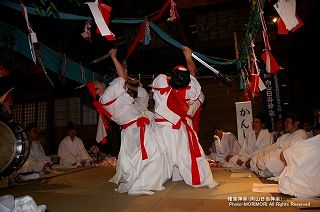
(244, 119)
(272, 99)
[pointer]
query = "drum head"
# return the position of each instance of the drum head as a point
(14, 147)
(7, 146)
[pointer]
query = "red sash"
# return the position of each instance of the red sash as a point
(193, 148)
(100, 109)
(177, 102)
(163, 90)
(141, 123)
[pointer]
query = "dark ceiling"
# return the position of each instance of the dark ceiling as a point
(207, 26)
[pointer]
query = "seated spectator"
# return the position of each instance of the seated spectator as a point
(71, 150)
(37, 161)
(278, 129)
(300, 177)
(257, 139)
(307, 125)
(226, 145)
(267, 162)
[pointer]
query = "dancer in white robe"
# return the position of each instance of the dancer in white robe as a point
(37, 160)
(141, 99)
(257, 139)
(226, 146)
(300, 177)
(72, 152)
(267, 163)
(140, 162)
(185, 158)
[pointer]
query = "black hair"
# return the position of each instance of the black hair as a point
(132, 93)
(179, 78)
(71, 126)
(261, 117)
(295, 116)
(30, 126)
(214, 128)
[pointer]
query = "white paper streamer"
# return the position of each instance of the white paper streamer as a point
(98, 18)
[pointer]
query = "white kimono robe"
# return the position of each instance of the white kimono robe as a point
(141, 103)
(174, 142)
(72, 152)
(267, 162)
(195, 105)
(134, 175)
(300, 178)
(36, 159)
(250, 145)
(227, 145)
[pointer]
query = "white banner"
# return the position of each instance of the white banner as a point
(244, 119)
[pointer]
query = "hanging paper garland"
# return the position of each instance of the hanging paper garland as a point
(147, 36)
(32, 35)
(256, 83)
(173, 12)
(271, 64)
(87, 31)
(33, 43)
(41, 12)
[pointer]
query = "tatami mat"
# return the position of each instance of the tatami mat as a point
(89, 190)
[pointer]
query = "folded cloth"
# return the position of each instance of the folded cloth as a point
(21, 204)
(26, 203)
(6, 203)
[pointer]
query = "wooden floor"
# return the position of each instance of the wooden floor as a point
(88, 190)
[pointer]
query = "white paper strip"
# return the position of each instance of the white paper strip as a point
(287, 11)
(98, 18)
(31, 45)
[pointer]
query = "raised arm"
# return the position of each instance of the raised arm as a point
(121, 71)
(190, 64)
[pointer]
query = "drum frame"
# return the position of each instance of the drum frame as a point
(21, 149)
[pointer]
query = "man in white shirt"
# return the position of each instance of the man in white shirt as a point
(72, 152)
(226, 146)
(37, 160)
(267, 162)
(257, 139)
